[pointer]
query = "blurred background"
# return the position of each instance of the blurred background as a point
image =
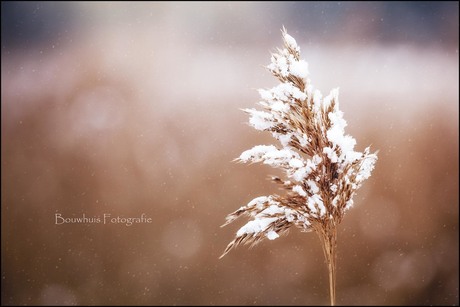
(130, 108)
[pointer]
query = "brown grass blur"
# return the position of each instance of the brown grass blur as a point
(135, 109)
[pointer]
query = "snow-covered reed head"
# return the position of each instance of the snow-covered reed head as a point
(323, 171)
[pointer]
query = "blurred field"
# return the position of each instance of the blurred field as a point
(134, 108)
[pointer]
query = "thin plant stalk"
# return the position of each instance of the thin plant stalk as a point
(328, 239)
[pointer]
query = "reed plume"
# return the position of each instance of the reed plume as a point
(323, 171)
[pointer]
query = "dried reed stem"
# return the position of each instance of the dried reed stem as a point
(328, 238)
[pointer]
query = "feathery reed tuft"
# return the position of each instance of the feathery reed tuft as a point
(322, 169)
